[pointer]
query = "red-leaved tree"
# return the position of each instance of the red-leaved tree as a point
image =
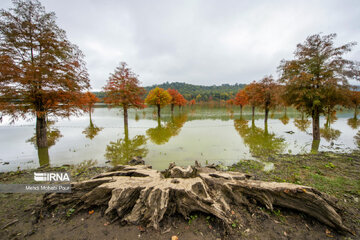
(241, 99)
(41, 73)
(123, 90)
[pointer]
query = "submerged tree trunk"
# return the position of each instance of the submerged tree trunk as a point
(125, 116)
(158, 111)
(316, 124)
(355, 112)
(43, 155)
(142, 195)
(41, 136)
(266, 114)
(253, 112)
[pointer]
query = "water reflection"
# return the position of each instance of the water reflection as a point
(354, 123)
(285, 119)
(261, 143)
(92, 130)
(357, 139)
(53, 135)
(302, 124)
(124, 149)
(162, 134)
(328, 133)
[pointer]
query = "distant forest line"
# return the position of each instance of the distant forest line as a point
(197, 92)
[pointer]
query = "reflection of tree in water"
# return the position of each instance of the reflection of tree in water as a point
(328, 133)
(92, 130)
(354, 123)
(53, 135)
(284, 119)
(303, 123)
(260, 141)
(357, 139)
(162, 134)
(124, 149)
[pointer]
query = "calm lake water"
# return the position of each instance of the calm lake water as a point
(209, 135)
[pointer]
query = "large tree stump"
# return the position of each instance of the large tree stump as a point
(141, 195)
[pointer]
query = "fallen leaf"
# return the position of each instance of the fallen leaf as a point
(286, 191)
(174, 238)
(91, 212)
(285, 234)
(247, 230)
(107, 223)
(328, 233)
(232, 212)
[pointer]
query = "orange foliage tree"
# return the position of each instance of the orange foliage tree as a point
(159, 98)
(174, 97)
(192, 102)
(89, 99)
(123, 90)
(267, 94)
(177, 99)
(41, 72)
(181, 101)
(252, 90)
(241, 99)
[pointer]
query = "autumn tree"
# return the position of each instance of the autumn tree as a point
(241, 99)
(123, 90)
(192, 102)
(174, 98)
(177, 99)
(42, 74)
(266, 94)
(159, 98)
(89, 99)
(252, 90)
(317, 69)
(354, 101)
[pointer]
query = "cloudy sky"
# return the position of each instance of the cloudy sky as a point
(199, 42)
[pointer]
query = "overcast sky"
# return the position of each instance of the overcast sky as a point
(198, 42)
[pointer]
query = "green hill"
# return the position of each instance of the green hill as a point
(198, 92)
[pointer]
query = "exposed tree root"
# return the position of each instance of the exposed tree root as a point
(139, 194)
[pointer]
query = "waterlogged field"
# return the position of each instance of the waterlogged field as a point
(209, 135)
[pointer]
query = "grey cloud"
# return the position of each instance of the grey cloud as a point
(200, 42)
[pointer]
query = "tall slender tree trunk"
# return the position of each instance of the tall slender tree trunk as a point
(355, 112)
(266, 114)
(172, 108)
(316, 124)
(158, 111)
(285, 110)
(126, 132)
(41, 137)
(240, 110)
(125, 116)
(253, 112)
